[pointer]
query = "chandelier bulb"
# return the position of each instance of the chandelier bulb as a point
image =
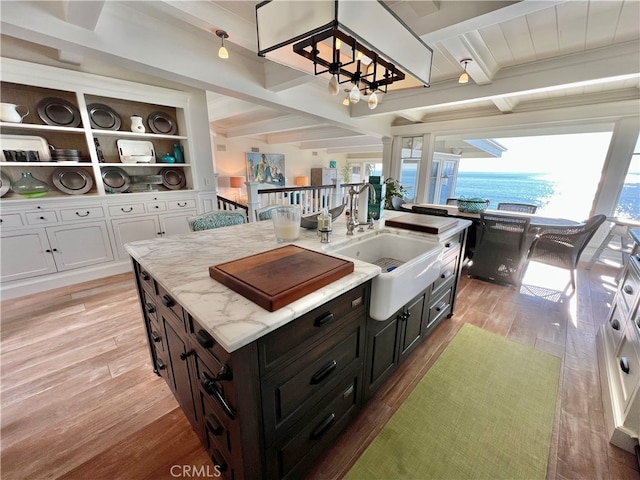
(373, 101)
(334, 87)
(346, 101)
(354, 94)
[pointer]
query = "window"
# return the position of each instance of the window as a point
(410, 155)
(629, 200)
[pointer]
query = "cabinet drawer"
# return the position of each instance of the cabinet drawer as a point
(172, 305)
(82, 213)
(41, 218)
(217, 431)
(146, 280)
(614, 328)
(447, 273)
(156, 207)
(293, 454)
(630, 286)
(205, 343)
(181, 204)
(11, 220)
(439, 308)
(628, 367)
(295, 337)
(286, 397)
(162, 366)
(222, 467)
(126, 209)
(149, 305)
(157, 335)
(214, 382)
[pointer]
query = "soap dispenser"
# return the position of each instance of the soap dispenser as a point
(324, 225)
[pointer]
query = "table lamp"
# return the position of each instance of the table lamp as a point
(301, 181)
(236, 182)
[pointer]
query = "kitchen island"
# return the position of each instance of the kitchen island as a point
(268, 391)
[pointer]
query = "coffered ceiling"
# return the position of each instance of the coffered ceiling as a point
(526, 55)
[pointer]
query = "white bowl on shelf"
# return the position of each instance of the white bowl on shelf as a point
(136, 158)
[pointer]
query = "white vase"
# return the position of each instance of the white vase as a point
(136, 124)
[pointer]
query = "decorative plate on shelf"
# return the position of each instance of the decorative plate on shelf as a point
(161, 123)
(173, 178)
(115, 179)
(5, 184)
(104, 117)
(58, 112)
(72, 181)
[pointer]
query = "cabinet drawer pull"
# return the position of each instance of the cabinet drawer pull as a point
(628, 289)
(185, 355)
(211, 389)
(323, 427)
(167, 301)
(324, 319)
(126, 211)
(180, 204)
(442, 306)
(213, 427)
(160, 365)
(155, 336)
(221, 466)
(324, 372)
(150, 307)
(204, 339)
(615, 324)
(145, 276)
(624, 364)
(446, 274)
(85, 215)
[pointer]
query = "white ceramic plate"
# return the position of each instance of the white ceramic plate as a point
(5, 184)
(72, 181)
(25, 142)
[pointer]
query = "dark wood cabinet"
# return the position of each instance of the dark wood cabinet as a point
(271, 408)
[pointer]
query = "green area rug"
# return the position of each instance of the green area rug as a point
(484, 410)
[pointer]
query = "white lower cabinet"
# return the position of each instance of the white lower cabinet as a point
(40, 251)
(132, 229)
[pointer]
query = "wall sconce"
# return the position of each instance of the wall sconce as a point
(236, 182)
(222, 52)
(301, 181)
(464, 78)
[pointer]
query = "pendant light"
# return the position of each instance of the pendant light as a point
(354, 93)
(373, 101)
(334, 86)
(222, 52)
(464, 78)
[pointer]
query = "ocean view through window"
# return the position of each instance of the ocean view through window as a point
(558, 173)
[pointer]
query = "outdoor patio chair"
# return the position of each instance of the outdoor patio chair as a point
(518, 207)
(501, 249)
(562, 247)
(222, 218)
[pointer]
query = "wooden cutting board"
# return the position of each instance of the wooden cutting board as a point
(422, 223)
(277, 277)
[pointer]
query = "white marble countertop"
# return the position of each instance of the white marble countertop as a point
(181, 264)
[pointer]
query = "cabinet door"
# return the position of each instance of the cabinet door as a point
(175, 223)
(80, 245)
(410, 326)
(381, 357)
(24, 254)
(180, 380)
(133, 229)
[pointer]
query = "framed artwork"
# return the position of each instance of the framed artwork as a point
(266, 168)
(332, 164)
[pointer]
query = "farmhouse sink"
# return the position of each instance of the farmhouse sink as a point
(409, 264)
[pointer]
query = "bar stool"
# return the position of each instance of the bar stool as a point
(619, 228)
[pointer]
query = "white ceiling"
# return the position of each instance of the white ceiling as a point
(526, 55)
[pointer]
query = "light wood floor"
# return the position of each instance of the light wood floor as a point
(79, 399)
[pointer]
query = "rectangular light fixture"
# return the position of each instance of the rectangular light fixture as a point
(357, 41)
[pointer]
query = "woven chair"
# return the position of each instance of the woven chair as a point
(562, 247)
(518, 207)
(501, 249)
(223, 218)
(265, 213)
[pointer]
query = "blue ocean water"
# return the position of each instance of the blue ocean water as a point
(535, 188)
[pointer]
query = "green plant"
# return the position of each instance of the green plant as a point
(393, 189)
(345, 173)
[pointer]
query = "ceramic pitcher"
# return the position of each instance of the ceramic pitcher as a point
(136, 124)
(9, 113)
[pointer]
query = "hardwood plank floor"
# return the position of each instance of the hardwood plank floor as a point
(79, 399)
